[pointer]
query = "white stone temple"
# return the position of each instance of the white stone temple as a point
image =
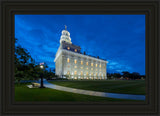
(72, 64)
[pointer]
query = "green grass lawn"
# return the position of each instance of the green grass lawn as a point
(112, 86)
(23, 93)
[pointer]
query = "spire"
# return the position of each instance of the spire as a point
(65, 27)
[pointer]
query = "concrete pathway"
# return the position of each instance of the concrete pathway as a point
(94, 93)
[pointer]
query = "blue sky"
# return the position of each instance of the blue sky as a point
(120, 39)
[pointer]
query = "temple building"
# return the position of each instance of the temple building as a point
(72, 64)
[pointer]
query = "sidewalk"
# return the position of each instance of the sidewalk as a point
(95, 93)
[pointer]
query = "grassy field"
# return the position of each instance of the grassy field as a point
(112, 86)
(23, 93)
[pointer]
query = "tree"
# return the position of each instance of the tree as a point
(24, 64)
(126, 74)
(23, 55)
(135, 75)
(116, 75)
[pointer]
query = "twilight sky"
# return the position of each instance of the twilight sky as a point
(120, 39)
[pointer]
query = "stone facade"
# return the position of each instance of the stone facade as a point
(72, 64)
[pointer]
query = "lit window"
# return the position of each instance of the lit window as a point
(67, 59)
(91, 68)
(81, 62)
(68, 48)
(86, 63)
(68, 73)
(96, 65)
(75, 50)
(100, 65)
(87, 68)
(75, 72)
(91, 64)
(81, 72)
(75, 66)
(75, 61)
(87, 73)
(81, 67)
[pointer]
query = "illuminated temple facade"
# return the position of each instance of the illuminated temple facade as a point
(72, 64)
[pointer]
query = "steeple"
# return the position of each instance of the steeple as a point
(65, 36)
(65, 27)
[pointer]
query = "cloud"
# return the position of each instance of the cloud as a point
(120, 39)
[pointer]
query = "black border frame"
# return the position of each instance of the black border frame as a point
(10, 7)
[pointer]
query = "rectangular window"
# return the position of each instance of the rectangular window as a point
(87, 73)
(100, 65)
(81, 62)
(75, 72)
(91, 64)
(68, 72)
(86, 63)
(68, 60)
(96, 65)
(75, 61)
